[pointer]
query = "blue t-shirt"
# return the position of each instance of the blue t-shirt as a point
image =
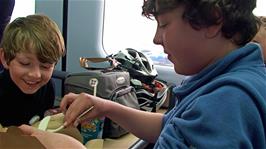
(222, 107)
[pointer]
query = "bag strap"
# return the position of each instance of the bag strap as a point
(121, 91)
(84, 62)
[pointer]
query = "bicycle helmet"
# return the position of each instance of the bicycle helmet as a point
(150, 97)
(138, 65)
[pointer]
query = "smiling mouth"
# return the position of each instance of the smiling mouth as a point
(31, 83)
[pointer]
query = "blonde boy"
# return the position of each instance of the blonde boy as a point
(261, 36)
(31, 47)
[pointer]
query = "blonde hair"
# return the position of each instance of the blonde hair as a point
(36, 34)
(262, 22)
(261, 34)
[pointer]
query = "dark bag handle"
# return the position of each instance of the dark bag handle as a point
(84, 62)
(120, 92)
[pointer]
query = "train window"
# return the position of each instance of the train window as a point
(260, 9)
(23, 8)
(125, 27)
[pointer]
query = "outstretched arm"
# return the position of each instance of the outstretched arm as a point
(143, 124)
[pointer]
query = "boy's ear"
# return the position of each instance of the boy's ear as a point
(2, 59)
(213, 31)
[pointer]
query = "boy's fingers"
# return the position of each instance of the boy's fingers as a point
(27, 130)
(67, 100)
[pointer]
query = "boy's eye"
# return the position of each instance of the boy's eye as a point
(162, 25)
(47, 66)
(24, 63)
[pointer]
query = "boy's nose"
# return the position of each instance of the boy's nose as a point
(35, 72)
(157, 38)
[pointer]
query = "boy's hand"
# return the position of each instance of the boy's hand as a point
(75, 104)
(52, 140)
(52, 111)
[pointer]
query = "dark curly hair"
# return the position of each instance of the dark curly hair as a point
(238, 22)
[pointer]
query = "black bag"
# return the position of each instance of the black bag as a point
(113, 84)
